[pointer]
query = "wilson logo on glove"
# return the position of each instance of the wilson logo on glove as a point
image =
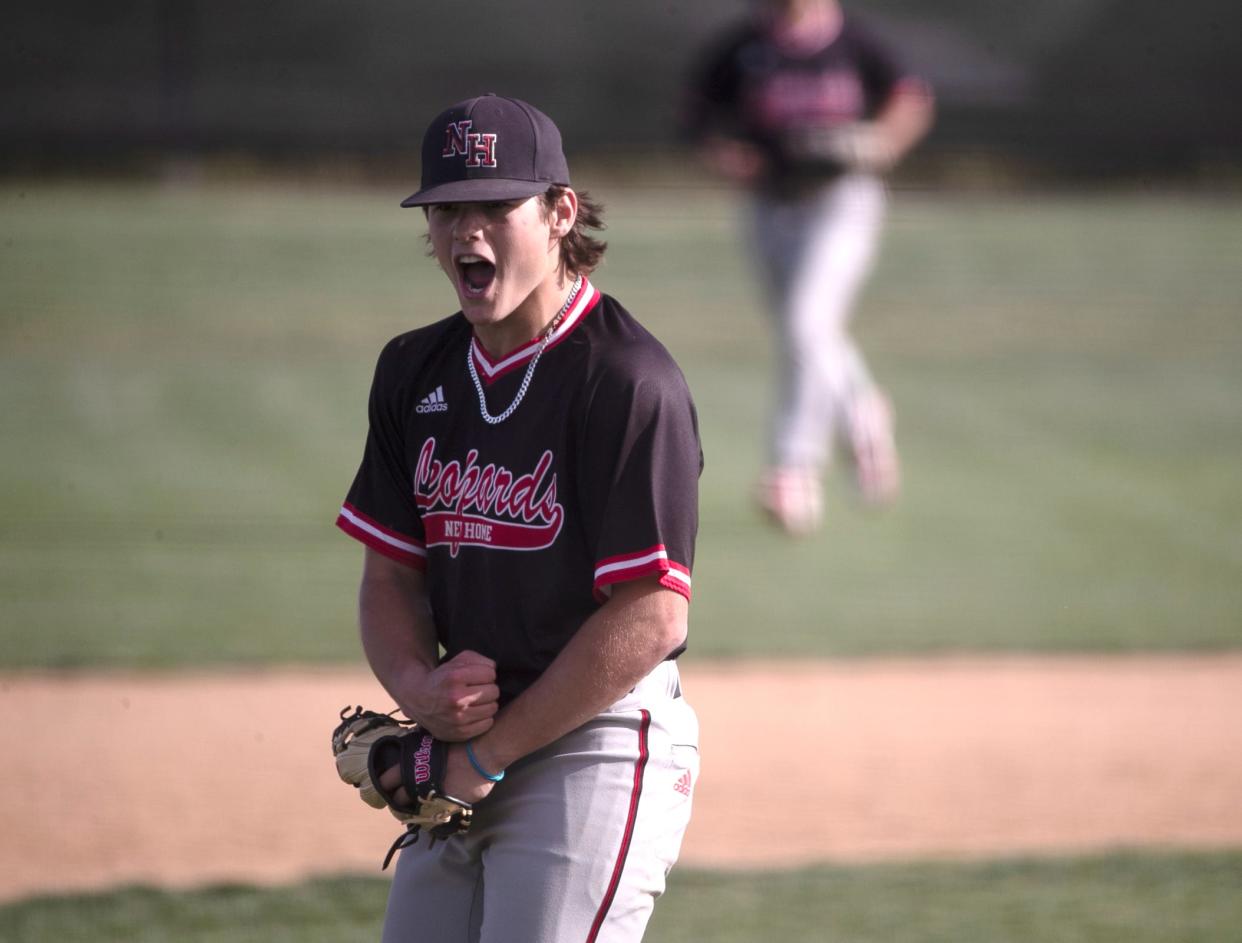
(365, 744)
(422, 760)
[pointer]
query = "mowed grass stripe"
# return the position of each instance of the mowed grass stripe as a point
(1120, 898)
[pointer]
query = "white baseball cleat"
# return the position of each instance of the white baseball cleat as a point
(793, 499)
(873, 450)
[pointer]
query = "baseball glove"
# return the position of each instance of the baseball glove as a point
(858, 147)
(366, 743)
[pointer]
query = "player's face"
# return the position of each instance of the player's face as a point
(795, 9)
(500, 258)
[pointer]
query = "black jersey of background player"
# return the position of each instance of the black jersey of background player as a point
(522, 527)
(749, 88)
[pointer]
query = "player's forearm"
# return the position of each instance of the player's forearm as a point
(398, 637)
(907, 117)
(615, 649)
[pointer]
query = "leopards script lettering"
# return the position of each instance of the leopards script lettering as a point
(469, 504)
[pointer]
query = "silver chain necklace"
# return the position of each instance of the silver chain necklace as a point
(530, 370)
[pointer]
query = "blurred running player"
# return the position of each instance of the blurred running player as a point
(808, 110)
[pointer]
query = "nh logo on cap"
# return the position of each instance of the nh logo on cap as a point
(478, 149)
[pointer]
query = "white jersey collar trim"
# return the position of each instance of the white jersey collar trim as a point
(490, 369)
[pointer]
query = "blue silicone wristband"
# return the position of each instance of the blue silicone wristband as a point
(478, 767)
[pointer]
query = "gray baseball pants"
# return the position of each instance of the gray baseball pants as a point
(574, 845)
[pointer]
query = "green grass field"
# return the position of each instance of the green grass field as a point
(185, 370)
(1123, 898)
(185, 373)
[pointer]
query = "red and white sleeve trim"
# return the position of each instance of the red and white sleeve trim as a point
(654, 560)
(381, 539)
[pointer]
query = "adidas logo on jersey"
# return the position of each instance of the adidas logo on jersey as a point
(433, 402)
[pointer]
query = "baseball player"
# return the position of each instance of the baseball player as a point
(527, 499)
(808, 110)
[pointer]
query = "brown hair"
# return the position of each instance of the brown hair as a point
(581, 252)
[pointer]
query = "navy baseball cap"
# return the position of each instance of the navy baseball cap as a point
(489, 148)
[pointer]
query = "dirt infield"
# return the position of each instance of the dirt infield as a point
(185, 779)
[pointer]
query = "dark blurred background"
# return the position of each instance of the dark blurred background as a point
(1066, 88)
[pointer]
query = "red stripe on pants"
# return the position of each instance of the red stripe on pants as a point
(635, 794)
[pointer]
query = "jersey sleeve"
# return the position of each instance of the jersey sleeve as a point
(379, 509)
(639, 477)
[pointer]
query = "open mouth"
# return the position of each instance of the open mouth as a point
(476, 274)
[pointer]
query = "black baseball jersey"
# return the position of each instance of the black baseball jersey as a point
(749, 88)
(522, 527)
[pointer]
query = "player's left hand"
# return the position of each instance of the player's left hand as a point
(460, 779)
(737, 161)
